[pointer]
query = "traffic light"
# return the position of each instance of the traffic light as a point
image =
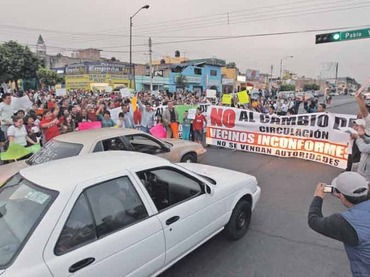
(325, 38)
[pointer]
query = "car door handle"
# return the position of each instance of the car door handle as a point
(81, 264)
(172, 220)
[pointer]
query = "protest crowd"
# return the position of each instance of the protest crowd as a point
(49, 115)
(46, 114)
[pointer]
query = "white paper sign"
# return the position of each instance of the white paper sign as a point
(191, 113)
(61, 92)
(108, 89)
(22, 103)
(114, 114)
(125, 92)
(211, 93)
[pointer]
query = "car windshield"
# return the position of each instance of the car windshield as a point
(209, 179)
(22, 205)
(55, 150)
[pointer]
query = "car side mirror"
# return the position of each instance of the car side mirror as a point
(166, 148)
(209, 190)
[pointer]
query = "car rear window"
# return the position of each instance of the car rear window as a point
(55, 150)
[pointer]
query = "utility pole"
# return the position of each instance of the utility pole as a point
(132, 70)
(336, 77)
(131, 51)
(270, 81)
(150, 65)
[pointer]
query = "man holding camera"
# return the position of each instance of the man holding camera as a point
(351, 227)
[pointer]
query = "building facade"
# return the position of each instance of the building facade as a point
(160, 80)
(195, 77)
(97, 76)
(229, 79)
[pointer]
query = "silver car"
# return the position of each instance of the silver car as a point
(108, 139)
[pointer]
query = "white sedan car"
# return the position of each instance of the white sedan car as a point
(117, 214)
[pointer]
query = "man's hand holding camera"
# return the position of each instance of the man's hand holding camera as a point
(320, 190)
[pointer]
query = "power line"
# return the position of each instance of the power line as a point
(274, 15)
(220, 37)
(248, 13)
(263, 35)
(259, 35)
(120, 35)
(250, 19)
(220, 14)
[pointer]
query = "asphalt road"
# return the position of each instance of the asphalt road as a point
(279, 241)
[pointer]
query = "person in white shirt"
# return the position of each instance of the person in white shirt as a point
(17, 133)
(6, 113)
(284, 108)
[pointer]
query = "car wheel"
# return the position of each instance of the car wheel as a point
(189, 158)
(239, 220)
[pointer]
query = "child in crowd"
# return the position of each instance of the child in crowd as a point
(121, 120)
(158, 131)
(186, 126)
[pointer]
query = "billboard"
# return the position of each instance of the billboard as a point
(252, 74)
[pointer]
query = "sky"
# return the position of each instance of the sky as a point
(172, 24)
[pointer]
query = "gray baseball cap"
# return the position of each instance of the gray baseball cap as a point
(351, 184)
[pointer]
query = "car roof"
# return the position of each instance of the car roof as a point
(95, 134)
(67, 173)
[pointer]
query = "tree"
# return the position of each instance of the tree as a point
(17, 62)
(286, 87)
(49, 77)
(181, 81)
(231, 65)
(308, 87)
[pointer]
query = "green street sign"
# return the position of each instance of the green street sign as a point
(343, 36)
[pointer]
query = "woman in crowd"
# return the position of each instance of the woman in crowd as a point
(106, 120)
(158, 130)
(17, 133)
(84, 116)
(32, 129)
(67, 125)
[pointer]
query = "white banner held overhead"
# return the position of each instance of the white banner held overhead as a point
(319, 137)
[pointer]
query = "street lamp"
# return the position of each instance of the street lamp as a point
(131, 17)
(281, 67)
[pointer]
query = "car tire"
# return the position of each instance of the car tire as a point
(239, 221)
(189, 158)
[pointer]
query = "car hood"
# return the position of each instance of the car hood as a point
(8, 170)
(222, 176)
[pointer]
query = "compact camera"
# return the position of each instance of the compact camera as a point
(328, 189)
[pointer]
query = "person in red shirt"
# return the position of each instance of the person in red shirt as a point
(198, 124)
(51, 103)
(49, 124)
(137, 117)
